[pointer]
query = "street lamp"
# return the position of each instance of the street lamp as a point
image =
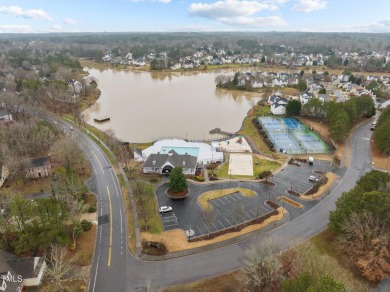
(54, 178)
(387, 164)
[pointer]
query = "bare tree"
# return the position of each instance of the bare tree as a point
(59, 262)
(67, 153)
(238, 213)
(261, 268)
(366, 240)
(208, 219)
(142, 193)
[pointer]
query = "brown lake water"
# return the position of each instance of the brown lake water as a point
(150, 105)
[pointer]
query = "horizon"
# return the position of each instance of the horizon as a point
(130, 16)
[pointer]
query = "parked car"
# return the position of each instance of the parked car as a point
(165, 209)
(71, 128)
(313, 178)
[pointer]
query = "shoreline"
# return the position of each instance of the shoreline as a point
(212, 68)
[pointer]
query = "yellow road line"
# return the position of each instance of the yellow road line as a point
(98, 162)
(109, 250)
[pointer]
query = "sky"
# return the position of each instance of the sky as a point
(43, 16)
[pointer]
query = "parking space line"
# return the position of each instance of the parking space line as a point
(221, 223)
(230, 224)
(215, 202)
(249, 216)
(234, 199)
(253, 213)
(221, 201)
(173, 224)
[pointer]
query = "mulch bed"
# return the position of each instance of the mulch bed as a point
(272, 204)
(315, 189)
(268, 183)
(154, 248)
(294, 193)
(294, 162)
(179, 195)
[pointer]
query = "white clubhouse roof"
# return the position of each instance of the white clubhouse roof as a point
(206, 153)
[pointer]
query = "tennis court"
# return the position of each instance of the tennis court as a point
(291, 136)
(292, 123)
(284, 141)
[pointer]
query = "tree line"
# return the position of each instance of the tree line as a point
(340, 116)
(361, 225)
(382, 132)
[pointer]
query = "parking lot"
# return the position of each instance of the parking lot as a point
(234, 209)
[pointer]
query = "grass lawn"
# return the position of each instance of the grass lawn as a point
(204, 198)
(154, 222)
(249, 131)
(85, 247)
(263, 164)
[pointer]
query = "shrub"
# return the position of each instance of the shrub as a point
(86, 225)
(264, 174)
(199, 178)
(92, 209)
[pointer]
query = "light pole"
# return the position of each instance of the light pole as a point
(387, 164)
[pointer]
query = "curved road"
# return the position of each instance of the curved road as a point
(115, 269)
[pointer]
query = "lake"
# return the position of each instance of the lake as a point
(144, 106)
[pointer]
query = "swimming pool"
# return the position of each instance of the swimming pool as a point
(193, 151)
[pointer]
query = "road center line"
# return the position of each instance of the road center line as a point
(109, 250)
(98, 161)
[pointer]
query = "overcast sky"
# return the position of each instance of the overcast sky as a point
(37, 16)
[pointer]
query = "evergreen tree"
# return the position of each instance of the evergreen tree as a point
(177, 181)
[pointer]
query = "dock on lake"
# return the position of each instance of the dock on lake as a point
(219, 131)
(102, 119)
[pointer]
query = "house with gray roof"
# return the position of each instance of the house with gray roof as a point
(16, 273)
(305, 96)
(38, 167)
(324, 97)
(164, 163)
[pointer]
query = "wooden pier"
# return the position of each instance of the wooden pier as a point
(101, 119)
(219, 131)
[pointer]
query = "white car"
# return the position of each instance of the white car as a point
(313, 178)
(165, 209)
(71, 128)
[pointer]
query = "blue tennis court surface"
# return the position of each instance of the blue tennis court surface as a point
(291, 136)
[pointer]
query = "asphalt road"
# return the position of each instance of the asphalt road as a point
(109, 268)
(116, 269)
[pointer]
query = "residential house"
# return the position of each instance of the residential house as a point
(339, 96)
(324, 97)
(17, 273)
(257, 83)
(164, 163)
(77, 86)
(5, 116)
(3, 174)
(38, 167)
(176, 66)
(188, 65)
(279, 106)
(305, 96)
